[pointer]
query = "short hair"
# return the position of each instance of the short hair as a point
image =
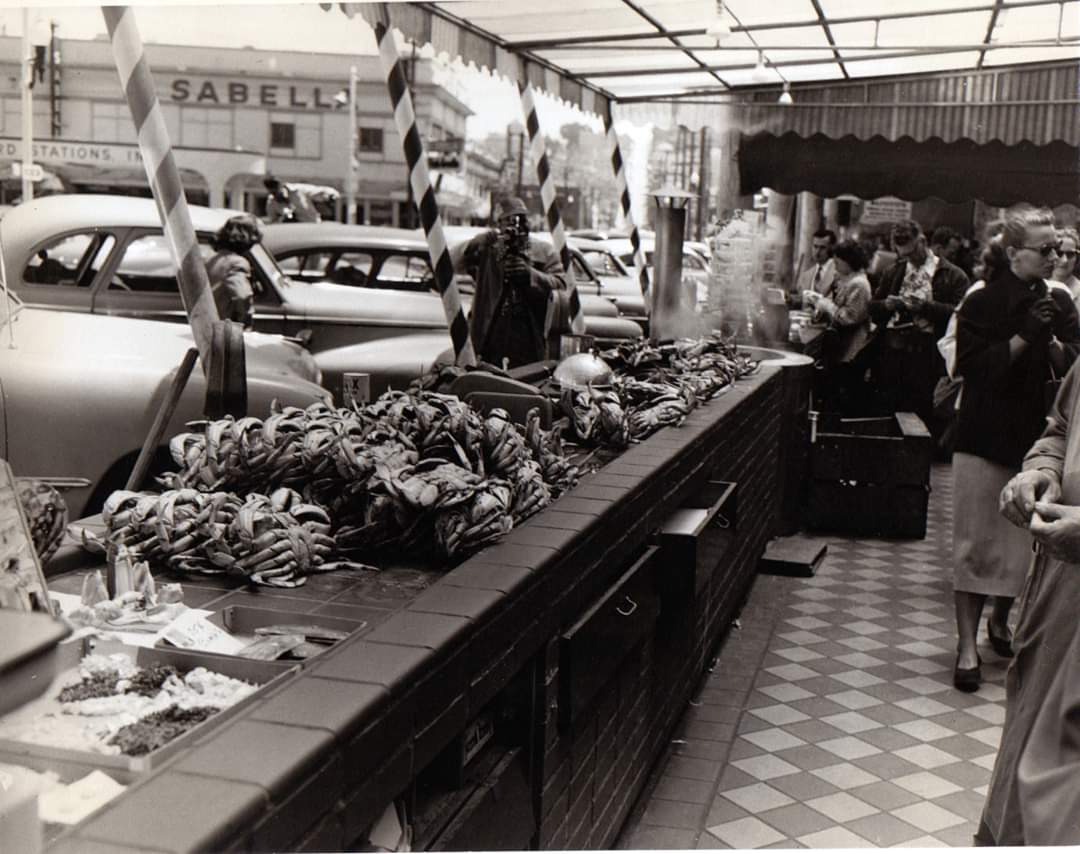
(826, 232)
(238, 234)
(1070, 233)
(904, 231)
(1019, 218)
(851, 253)
(943, 234)
(993, 258)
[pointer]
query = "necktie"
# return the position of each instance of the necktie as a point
(817, 277)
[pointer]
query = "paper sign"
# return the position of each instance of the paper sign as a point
(191, 630)
(355, 388)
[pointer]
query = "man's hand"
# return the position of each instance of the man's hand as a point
(1038, 319)
(893, 302)
(1018, 498)
(516, 267)
(1057, 529)
(914, 304)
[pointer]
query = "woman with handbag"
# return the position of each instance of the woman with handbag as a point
(1013, 337)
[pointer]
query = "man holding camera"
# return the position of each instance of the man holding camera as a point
(911, 307)
(514, 280)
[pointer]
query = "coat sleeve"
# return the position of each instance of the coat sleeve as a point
(948, 289)
(1067, 325)
(855, 307)
(979, 356)
(879, 313)
(1048, 452)
(547, 270)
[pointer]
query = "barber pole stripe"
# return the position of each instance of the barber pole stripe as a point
(163, 175)
(420, 179)
(551, 206)
(624, 197)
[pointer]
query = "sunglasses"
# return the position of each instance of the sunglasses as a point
(1045, 249)
(1070, 254)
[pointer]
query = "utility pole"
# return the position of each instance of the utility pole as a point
(27, 107)
(350, 179)
(56, 123)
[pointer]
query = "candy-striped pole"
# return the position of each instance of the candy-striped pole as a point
(420, 180)
(551, 207)
(624, 197)
(163, 175)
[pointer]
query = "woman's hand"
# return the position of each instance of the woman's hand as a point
(1056, 527)
(1020, 495)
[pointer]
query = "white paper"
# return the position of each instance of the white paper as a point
(191, 630)
(71, 804)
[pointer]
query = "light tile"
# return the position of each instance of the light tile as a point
(765, 767)
(842, 807)
(927, 817)
(779, 714)
(797, 653)
(851, 722)
(814, 594)
(854, 700)
(795, 820)
(923, 618)
(923, 633)
(884, 829)
(862, 643)
(926, 756)
(757, 798)
(747, 832)
(923, 666)
(923, 649)
(923, 685)
(860, 660)
(865, 627)
(986, 762)
(992, 693)
(857, 678)
(811, 608)
(926, 604)
(844, 775)
(835, 837)
(990, 712)
(924, 730)
(785, 692)
(922, 842)
(926, 785)
(982, 790)
(807, 623)
(990, 735)
(866, 612)
(923, 706)
(773, 739)
(801, 637)
(791, 672)
(849, 747)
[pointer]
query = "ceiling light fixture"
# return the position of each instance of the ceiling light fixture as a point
(718, 28)
(785, 96)
(760, 74)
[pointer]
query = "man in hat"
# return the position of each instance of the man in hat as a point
(911, 307)
(515, 278)
(287, 203)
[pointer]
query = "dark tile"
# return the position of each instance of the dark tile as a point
(408, 628)
(274, 755)
(257, 599)
(304, 804)
(888, 714)
(457, 601)
(722, 810)
(334, 705)
(694, 769)
(592, 506)
(807, 757)
(588, 490)
(369, 617)
(735, 778)
(377, 788)
(884, 795)
(813, 731)
(436, 734)
(887, 766)
(803, 786)
(795, 820)
(713, 713)
(646, 838)
(965, 804)
(393, 667)
(818, 707)
(888, 738)
(553, 518)
(533, 535)
(489, 576)
(529, 557)
(713, 750)
(884, 830)
(963, 747)
(160, 811)
(601, 478)
(966, 774)
(688, 791)
(673, 814)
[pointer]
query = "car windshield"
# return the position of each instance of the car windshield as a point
(265, 260)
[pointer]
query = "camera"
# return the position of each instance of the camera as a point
(513, 234)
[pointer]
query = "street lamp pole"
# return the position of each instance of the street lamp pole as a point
(27, 107)
(350, 181)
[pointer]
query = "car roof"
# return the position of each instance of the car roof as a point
(31, 222)
(287, 237)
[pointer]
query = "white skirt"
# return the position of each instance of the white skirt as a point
(990, 555)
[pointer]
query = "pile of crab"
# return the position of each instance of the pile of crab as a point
(654, 386)
(305, 489)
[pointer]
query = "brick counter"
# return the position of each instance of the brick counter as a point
(310, 766)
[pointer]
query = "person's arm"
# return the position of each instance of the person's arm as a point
(1066, 326)
(979, 356)
(855, 307)
(948, 289)
(546, 271)
(879, 310)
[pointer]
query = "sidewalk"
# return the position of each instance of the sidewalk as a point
(829, 719)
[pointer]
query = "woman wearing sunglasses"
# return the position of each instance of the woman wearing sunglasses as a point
(1065, 268)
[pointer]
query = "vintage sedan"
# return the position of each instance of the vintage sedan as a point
(80, 391)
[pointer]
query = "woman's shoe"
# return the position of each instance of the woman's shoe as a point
(967, 679)
(1002, 644)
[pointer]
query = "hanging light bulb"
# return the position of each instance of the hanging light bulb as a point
(760, 74)
(785, 96)
(718, 28)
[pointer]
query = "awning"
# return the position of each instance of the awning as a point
(993, 172)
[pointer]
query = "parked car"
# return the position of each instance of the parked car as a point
(394, 259)
(616, 281)
(80, 391)
(695, 268)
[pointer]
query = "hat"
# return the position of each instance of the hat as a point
(904, 231)
(510, 206)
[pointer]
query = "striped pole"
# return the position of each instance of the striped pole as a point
(551, 206)
(624, 197)
(163, 175)
(420, 180)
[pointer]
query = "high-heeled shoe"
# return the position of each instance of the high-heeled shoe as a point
(967, 678)
(1002, 644)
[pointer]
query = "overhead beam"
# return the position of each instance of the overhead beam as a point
(545, 44)
(990, 31)
(1047, 42)
(663, 32)
(828, 34)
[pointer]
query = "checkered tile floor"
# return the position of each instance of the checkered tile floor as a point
(829, 719)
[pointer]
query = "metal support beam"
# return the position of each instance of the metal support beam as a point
(829, 36)
(990, 30)
(673, 39)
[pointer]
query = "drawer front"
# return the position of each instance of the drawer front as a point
(591, 649)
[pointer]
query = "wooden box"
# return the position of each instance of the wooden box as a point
(869, 476)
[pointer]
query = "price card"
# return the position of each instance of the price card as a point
(355, 388)
(191, 630)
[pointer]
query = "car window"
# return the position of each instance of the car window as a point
(405, 273)
(604, 263)
(313, 266)
(147, 266)
(692, 260)
(582, 271)
(352, 268)
(69, 261)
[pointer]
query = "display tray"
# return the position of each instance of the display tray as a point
(71, 764)
(242, 621)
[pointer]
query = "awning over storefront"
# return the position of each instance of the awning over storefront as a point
(993, 172)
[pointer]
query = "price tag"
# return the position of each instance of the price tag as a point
(191, 630)
(355, 388)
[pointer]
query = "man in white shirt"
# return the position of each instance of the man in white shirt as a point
(819, 276)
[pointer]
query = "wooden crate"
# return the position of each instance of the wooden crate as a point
(869, 476)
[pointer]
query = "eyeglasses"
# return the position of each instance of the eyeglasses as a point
(1045, 249)
(1067, 254)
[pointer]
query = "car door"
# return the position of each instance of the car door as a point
(60, 273)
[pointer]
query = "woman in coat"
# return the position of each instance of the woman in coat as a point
(229, 270)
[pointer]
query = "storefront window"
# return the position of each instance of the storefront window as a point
(370, 140)
(282, 135)
(202, 127)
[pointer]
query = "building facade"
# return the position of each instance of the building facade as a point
(234, 116)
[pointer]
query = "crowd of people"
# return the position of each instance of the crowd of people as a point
(984, 357)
